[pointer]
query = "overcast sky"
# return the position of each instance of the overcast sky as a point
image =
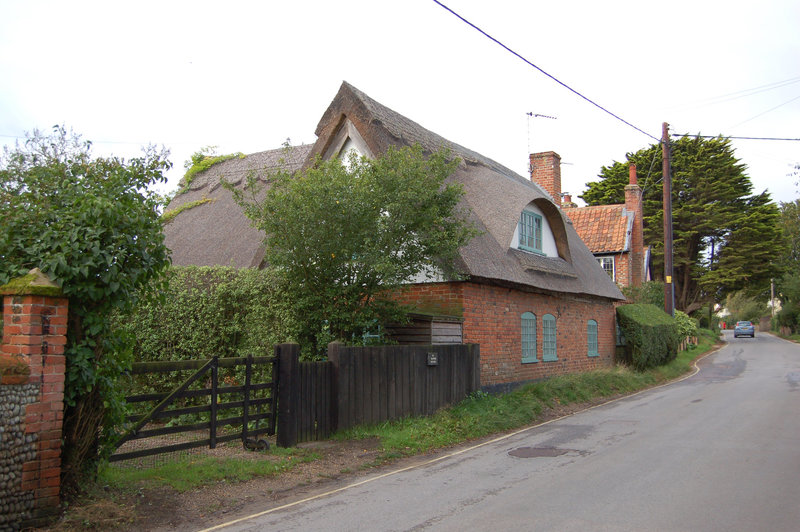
(245, 76)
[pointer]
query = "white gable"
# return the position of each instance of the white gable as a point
(348, 140)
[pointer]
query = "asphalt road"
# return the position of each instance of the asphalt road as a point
(717, 451)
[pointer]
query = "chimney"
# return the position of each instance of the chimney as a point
(546, 172)
(567, 202)
(633, 204)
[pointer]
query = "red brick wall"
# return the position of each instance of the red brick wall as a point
(34, 334)
(492, 319)
(622, 269)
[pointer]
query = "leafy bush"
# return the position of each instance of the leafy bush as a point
(706, 318)
(651, 335)
(789, 316)
(687, 326)
(651, 292)
(789, 290)
(93, 227)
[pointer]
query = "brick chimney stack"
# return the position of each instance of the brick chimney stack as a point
(633, 204)
(546, 172)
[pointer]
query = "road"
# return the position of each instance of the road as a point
(717, 451)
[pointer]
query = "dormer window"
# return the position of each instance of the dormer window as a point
(534, 231)
(530, 232)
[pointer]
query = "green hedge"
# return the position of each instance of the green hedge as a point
(207, 311)
(651, 335)
(203, 312)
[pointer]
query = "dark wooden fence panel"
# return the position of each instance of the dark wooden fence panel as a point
(375, 384)
(368, 385)
(315, 406)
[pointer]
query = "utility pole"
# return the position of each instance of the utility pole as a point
(772, 296)
(669, 290)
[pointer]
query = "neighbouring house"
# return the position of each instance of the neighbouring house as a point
(613, 233)
(533, 296)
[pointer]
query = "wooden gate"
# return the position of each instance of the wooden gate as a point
(244, 400)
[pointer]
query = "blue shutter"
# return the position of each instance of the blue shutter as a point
(549, 337)
(591, 338)
(529, 337)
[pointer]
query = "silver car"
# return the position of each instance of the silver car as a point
(744, 328)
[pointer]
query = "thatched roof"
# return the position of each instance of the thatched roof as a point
(495, 195)
(216, 232)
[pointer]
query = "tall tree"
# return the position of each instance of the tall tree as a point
(790, 225)
(788, 286)
(725, 238)
(93, 227)
(342, 233)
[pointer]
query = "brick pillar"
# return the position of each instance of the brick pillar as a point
(32, 364)
(546, 172)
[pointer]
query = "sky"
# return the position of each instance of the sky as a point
(246, 76)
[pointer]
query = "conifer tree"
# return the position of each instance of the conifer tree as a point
(725, 237)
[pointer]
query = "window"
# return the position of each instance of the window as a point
(607, 264)
(529, 337)
(530, 231)
(591, 338)
(549, 338)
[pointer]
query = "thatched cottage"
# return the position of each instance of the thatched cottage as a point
(534, 297)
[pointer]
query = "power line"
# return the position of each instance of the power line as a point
(767, 111)
(732, 138)
(724, 98)
(545, 73)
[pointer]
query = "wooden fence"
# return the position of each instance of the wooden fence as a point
(356, 385)
(367, 385)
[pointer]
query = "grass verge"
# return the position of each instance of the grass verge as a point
(482, 414)
(191, 472)
(791, 337)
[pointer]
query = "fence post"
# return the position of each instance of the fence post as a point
(334, 357)
(32, 368)
(212, 428)
(288, 356)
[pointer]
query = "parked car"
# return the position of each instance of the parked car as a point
(744, 328)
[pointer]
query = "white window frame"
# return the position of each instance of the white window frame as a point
(608, 260)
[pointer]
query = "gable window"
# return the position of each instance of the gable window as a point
(591, 338)
(530, 231)
(607, 263)
(529, 337)
(549, 338)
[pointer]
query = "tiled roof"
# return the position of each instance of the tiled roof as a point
(604, 228)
